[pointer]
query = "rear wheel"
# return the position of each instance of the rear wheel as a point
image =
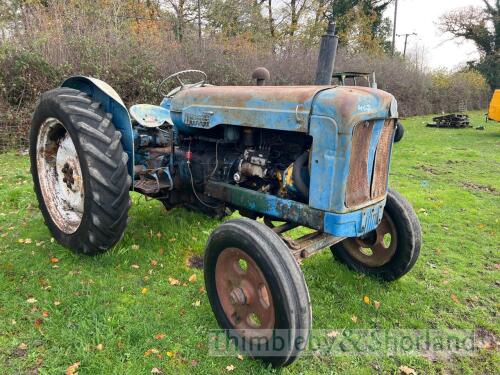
(389, 251)
(79, 171)
(257, 291)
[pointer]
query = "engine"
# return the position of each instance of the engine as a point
(175, 167)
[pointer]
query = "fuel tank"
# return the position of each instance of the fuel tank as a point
(278, 107)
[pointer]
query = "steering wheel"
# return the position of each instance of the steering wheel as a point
(178, 75)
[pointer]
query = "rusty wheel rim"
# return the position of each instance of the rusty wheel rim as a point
(60, 175)
(244, 294)
(377, 247)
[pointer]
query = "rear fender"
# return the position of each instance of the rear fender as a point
(111, 102)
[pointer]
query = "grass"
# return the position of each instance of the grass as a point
(120, 301)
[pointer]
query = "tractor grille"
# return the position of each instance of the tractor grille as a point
(362, 188)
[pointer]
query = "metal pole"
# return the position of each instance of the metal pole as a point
(394, 27)
(406, 41)
(199, 20)
(326, 58)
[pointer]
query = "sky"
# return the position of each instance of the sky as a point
(421, 16)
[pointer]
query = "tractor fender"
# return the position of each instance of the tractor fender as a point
(111, 102)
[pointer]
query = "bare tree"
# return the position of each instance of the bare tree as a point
(482, 26)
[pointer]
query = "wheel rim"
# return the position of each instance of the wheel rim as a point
(244, 294)
(60, 175)
(377, 247)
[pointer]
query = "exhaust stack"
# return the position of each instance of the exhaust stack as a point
(326, 58)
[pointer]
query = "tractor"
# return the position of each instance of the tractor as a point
(285, 157)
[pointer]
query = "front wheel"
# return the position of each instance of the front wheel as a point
(389, 251)
(79, 171)
(257, 291)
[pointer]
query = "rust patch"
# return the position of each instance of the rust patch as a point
(358, 189)
(381, 165)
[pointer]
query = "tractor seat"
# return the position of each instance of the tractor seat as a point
(150, 116)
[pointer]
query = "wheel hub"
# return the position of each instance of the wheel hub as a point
(377, 247)
(60, 176)
(244, 293)
(238, 296)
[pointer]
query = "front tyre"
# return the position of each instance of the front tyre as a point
(79, 171)
(389, 251)
(257, 291)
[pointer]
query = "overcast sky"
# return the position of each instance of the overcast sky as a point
(421, 16)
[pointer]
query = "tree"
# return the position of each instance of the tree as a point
(482, 26)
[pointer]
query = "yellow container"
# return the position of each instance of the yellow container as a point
(494, 110)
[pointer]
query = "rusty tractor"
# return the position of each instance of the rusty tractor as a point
(294, 156)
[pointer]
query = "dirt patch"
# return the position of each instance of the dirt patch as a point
(481, 188)
(486, 339)
(195, 261)
(19, 353)
(427, 169)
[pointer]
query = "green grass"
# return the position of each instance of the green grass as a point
(452, 178)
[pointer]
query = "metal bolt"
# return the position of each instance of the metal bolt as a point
(238, 297)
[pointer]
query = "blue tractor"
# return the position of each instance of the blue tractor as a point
(294, 156)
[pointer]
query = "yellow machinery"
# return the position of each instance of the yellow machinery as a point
(494, 109)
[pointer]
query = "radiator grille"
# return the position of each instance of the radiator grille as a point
(362, 188)
(381, 165)
(358, 188)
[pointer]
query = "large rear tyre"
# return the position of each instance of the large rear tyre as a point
(79, 171)
(389, 251)
(257, 291)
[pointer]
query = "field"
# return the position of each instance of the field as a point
(120, 314)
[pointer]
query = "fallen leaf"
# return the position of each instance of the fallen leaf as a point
(22, 346)
(376, 304)
(57, 303)
(230, 368)
(332, 334)
(455, 298)
(45, 314)
(160, 336)
(28, 240)
(156, 370)
(144, 290)
(196, 303)
(192, 278)
(38, 323)
(366, 300)
(240, 357)
(354, 318)
(202, 290)
(173, 281)
(54, 260)
(135, 247)
(99, 347)
(407, 370)
(148, 352)
(154, 263)
(170, 354)
(158, 234)
(13, 322)
(135, 266)
(72, 370)
(31, 300)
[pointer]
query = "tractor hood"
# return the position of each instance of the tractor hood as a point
(278, 107)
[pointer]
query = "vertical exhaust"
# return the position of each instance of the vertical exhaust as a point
(326, 58)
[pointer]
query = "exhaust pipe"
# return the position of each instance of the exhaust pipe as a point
(326, 58)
